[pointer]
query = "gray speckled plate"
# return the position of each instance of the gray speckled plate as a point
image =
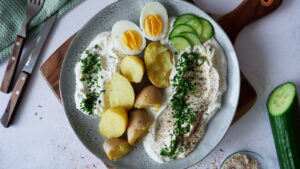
(86, 127)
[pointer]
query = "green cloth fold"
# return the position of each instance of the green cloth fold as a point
(13, 13)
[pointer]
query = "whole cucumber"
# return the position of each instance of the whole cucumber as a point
(284, 114)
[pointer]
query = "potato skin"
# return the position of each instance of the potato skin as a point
(116, 148)
(139, 122)
(113, 122)
(149, 96)
(119, 93)
(159, 64)
(132, 67)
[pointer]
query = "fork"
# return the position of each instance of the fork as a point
(32, 8)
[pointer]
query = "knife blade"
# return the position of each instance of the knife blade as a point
(36, 50)
(18, 90)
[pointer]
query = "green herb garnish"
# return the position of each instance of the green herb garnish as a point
(112, 57)
(183, 82)
(91, 65)
(88, 104)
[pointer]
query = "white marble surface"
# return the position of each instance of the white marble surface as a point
(269, 54)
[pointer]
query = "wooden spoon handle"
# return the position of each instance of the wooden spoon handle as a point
(12, 65)
(247, 12)
(11, 108)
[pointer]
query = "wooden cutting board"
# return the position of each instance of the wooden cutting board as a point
(233, 22)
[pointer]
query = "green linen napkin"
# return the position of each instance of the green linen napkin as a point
(13, 13)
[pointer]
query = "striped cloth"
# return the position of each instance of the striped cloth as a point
(13, 13)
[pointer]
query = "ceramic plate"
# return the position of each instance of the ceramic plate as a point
(86, 127)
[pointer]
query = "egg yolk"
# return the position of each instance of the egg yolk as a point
(132, 39)
(153, 25)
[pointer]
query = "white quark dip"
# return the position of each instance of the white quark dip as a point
(212, 75)
(109, 58)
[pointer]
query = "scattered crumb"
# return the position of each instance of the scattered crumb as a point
(82, 157)
(39, 116)
(94, 166)
(39, 106)
(221, 150)
(65, 147)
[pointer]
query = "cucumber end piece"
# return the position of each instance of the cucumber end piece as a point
(281, 98)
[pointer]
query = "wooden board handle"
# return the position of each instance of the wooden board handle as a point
(11, 108)
(53, 69)
(247, 12)
(12, 65)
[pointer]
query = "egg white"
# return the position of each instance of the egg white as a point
(117, 31)
(154, 8)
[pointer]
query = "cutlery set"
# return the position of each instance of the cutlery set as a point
(32, 9)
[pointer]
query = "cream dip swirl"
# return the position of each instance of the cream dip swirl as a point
(205, 100)
(108, 58)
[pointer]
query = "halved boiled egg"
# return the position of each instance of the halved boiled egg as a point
(154, 21)
(128, 37)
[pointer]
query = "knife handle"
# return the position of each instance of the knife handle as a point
(15, 98)
(12, 65)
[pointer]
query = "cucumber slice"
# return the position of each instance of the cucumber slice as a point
(196, 25)
(181, 19)
(193, 38)
(207, 31)
(179, 29)
(284, 115)
(180, 43)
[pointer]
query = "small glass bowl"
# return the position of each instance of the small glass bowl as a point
(256, 157)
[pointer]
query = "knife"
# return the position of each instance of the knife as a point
(15, 98)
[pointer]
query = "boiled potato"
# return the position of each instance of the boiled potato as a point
(113, 122)
(149, 96)
(158, 61)
(139, 122)
(132, 67)
(119, 93)
(116, 148)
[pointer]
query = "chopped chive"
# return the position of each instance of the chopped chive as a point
(90, 65)
(183, 83)
(112, 57)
